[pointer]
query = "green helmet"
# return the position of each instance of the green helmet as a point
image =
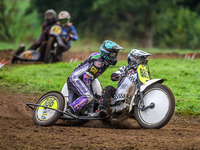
(109, 51)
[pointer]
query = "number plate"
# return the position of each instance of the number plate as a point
(143, 74)
(56, 30)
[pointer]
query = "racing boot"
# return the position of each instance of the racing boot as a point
(102, 110)
(102, 107)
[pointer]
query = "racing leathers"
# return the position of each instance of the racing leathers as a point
(79, 82)
(69, 33)
(44, 35)
(127, 77)
(72, 35)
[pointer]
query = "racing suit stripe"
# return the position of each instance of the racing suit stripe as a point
(74, 77)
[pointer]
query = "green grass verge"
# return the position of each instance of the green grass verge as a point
(181, 76)
(93, 46)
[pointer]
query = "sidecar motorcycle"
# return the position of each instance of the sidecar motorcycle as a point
(54, 41)
(150, 103)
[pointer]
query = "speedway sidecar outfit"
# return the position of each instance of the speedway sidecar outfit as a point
(33, 55)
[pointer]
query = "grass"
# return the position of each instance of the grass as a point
(181, 76)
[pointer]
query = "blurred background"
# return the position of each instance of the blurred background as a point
(139, 23)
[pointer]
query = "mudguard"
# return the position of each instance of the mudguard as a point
(150, 82)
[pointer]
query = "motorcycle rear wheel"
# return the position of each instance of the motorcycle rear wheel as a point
(164, 104)
(47, 117)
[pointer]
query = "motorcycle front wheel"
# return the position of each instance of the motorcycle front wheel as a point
(49, 57)
(47, 117)
(163, 104)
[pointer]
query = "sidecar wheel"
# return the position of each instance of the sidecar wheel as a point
(47, 117)
(160, 114)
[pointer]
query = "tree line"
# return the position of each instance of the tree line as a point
(146, 23)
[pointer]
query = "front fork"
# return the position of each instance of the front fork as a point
(142, 107)
(140, 94)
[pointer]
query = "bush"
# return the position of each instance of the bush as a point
(178, 28)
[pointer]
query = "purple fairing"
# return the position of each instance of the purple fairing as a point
(79, 103)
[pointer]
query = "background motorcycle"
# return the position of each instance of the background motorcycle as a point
(55, 45)
(54, 41)
(149, 102)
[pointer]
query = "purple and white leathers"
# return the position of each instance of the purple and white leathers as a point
(79, 83)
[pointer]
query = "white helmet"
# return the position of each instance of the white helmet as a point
(64, 17)
(136, 56)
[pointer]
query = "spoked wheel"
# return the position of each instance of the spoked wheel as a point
(162, 101)
(44, 116)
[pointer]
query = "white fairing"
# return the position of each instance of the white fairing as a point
(144, 86)
(126, 88)
(96, 87)
(64, 90)
(65, 93)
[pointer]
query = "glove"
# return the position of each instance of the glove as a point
(115, 77)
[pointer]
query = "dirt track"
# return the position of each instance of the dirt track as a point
(17, 130)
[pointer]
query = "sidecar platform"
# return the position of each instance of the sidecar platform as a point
(68, 115)
(29, 55)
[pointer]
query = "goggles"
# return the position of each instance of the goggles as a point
(113, 54)
(63, 20)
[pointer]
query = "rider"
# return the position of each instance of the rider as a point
(121, 93)
(68, 32)
(79, 82)
(50, 18)
(126, 70)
